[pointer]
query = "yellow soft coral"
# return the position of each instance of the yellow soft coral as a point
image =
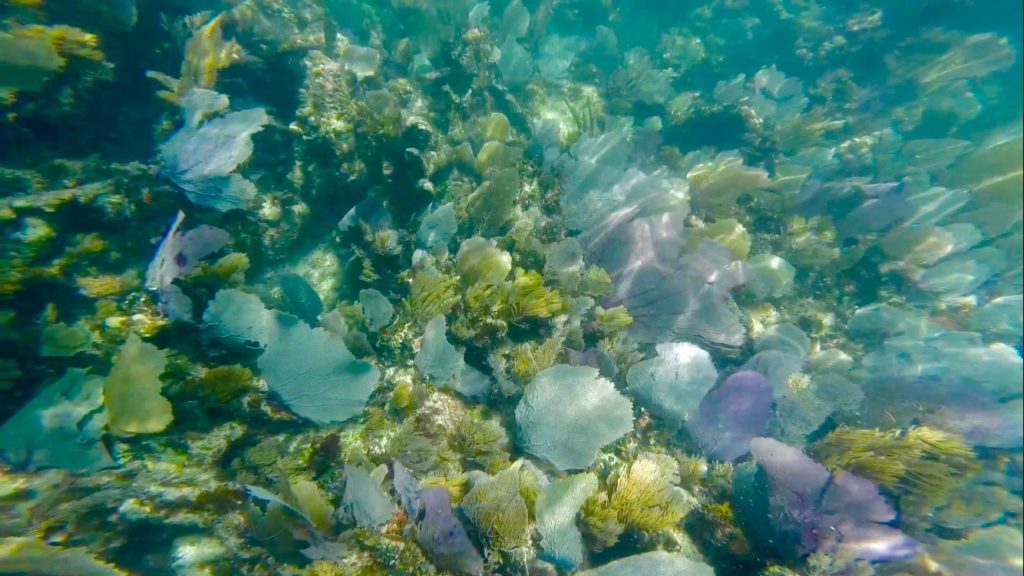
(73, 41)
(643, 496)
(429, 296)
(106, 285)
(920, 461)
(32, 54)
(646, 497)
(455, 484)
(206, 54)
(66, 40)
(529, 358)
(527, 297)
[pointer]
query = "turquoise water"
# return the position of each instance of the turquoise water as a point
(296, 287)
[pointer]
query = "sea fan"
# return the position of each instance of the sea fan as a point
(202, 161)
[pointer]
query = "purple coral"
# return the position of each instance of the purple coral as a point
(443, 538)
(731, 414)
(671, 291)
(820, 511)
(201, 161)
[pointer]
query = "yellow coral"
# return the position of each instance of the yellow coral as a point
(455, 484)
(528, 359)
(481, 443)
(65, 40)
(106, 285)
(920, 461)
(613, 320)
(498, 510)
(224, 383)
(643, 496)
(325, 568)
(430, 296)
(601, 521)
(85, 245)
(32, 54)
(526, 297)
(206, 54)
(646, 497)
(12, 273)
(403, 396)
(596, 282)
(68, 40)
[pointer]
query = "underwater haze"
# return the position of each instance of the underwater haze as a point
(511, 288)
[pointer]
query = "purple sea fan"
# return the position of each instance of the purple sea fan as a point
(815, 510)
(673, 292)
(731, 414)
(443, 538)
(201, 161)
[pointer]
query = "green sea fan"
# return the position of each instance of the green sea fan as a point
(132, 390)
(567, 414)
(480, 261)
(557, 508)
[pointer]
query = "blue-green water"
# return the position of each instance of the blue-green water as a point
(409, 287)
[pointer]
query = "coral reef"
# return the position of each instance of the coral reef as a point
(510, 287)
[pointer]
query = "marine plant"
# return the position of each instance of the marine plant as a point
(224, 384)
(498, 511)
(919, 461)
(643, 495)
(206, 54)
(430, 296)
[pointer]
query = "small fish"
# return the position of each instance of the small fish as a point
(881, 188)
